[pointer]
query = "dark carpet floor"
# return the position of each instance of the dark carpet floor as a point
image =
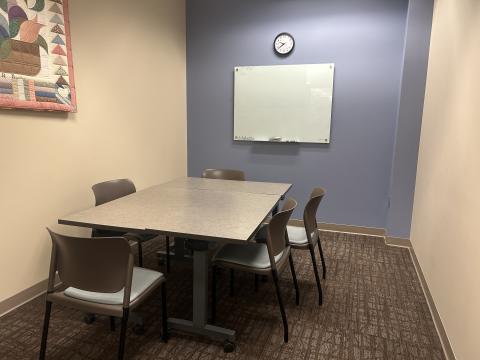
(374, 308)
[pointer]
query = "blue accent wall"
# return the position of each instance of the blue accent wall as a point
(410, 112)
(364, 38)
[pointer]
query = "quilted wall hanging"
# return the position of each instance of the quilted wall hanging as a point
(36, 70)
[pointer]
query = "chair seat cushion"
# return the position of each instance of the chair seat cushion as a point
(297, 235)
(251, 255)
(142, 279)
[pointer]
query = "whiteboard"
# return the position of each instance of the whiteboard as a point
(283, 103)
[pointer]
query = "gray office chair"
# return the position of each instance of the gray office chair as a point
(308, 236)
(100, 278)
(262, 259)
(114, 189)
(305, 237)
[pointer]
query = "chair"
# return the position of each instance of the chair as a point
(224, 174)
(262, 259)
(100, 278)
(114, 189)
(307, 237)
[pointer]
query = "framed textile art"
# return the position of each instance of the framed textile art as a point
(36, 69)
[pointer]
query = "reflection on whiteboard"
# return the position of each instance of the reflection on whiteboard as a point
(286, 103)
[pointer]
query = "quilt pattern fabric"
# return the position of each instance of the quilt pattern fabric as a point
(36, 69)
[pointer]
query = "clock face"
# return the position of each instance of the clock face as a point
(284, 44)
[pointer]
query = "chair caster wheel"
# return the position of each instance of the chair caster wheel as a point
(139, 329)
(228, 346)
(89, 318)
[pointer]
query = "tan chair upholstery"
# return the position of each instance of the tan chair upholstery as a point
(269, 258)
(114, 189)
(100, 278)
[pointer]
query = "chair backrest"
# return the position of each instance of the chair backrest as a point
(224, 174)
(310, 214)
(111, 190)
(99, 265)
(277, 237)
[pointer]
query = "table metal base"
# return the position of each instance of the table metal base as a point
(211, 331)
(177, 252)
(199, 325)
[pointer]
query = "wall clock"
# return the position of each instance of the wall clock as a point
(284, 44)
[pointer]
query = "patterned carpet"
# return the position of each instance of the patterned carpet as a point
(374, 308)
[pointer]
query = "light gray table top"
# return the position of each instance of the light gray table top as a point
(253, 187)
(221, 214)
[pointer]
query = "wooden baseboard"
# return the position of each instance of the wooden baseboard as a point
(396, 241)
(362, 230)
(447, 347)
(24, 296)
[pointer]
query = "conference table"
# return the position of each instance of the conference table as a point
(204, 211)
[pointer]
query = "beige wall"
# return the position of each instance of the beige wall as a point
(130, 71)
(446, 218)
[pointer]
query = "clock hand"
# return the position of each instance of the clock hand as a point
(282, 44)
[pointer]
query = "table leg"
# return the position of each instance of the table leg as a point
(179, 248)
(276, 208)
(199, 324)
(177, 253)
